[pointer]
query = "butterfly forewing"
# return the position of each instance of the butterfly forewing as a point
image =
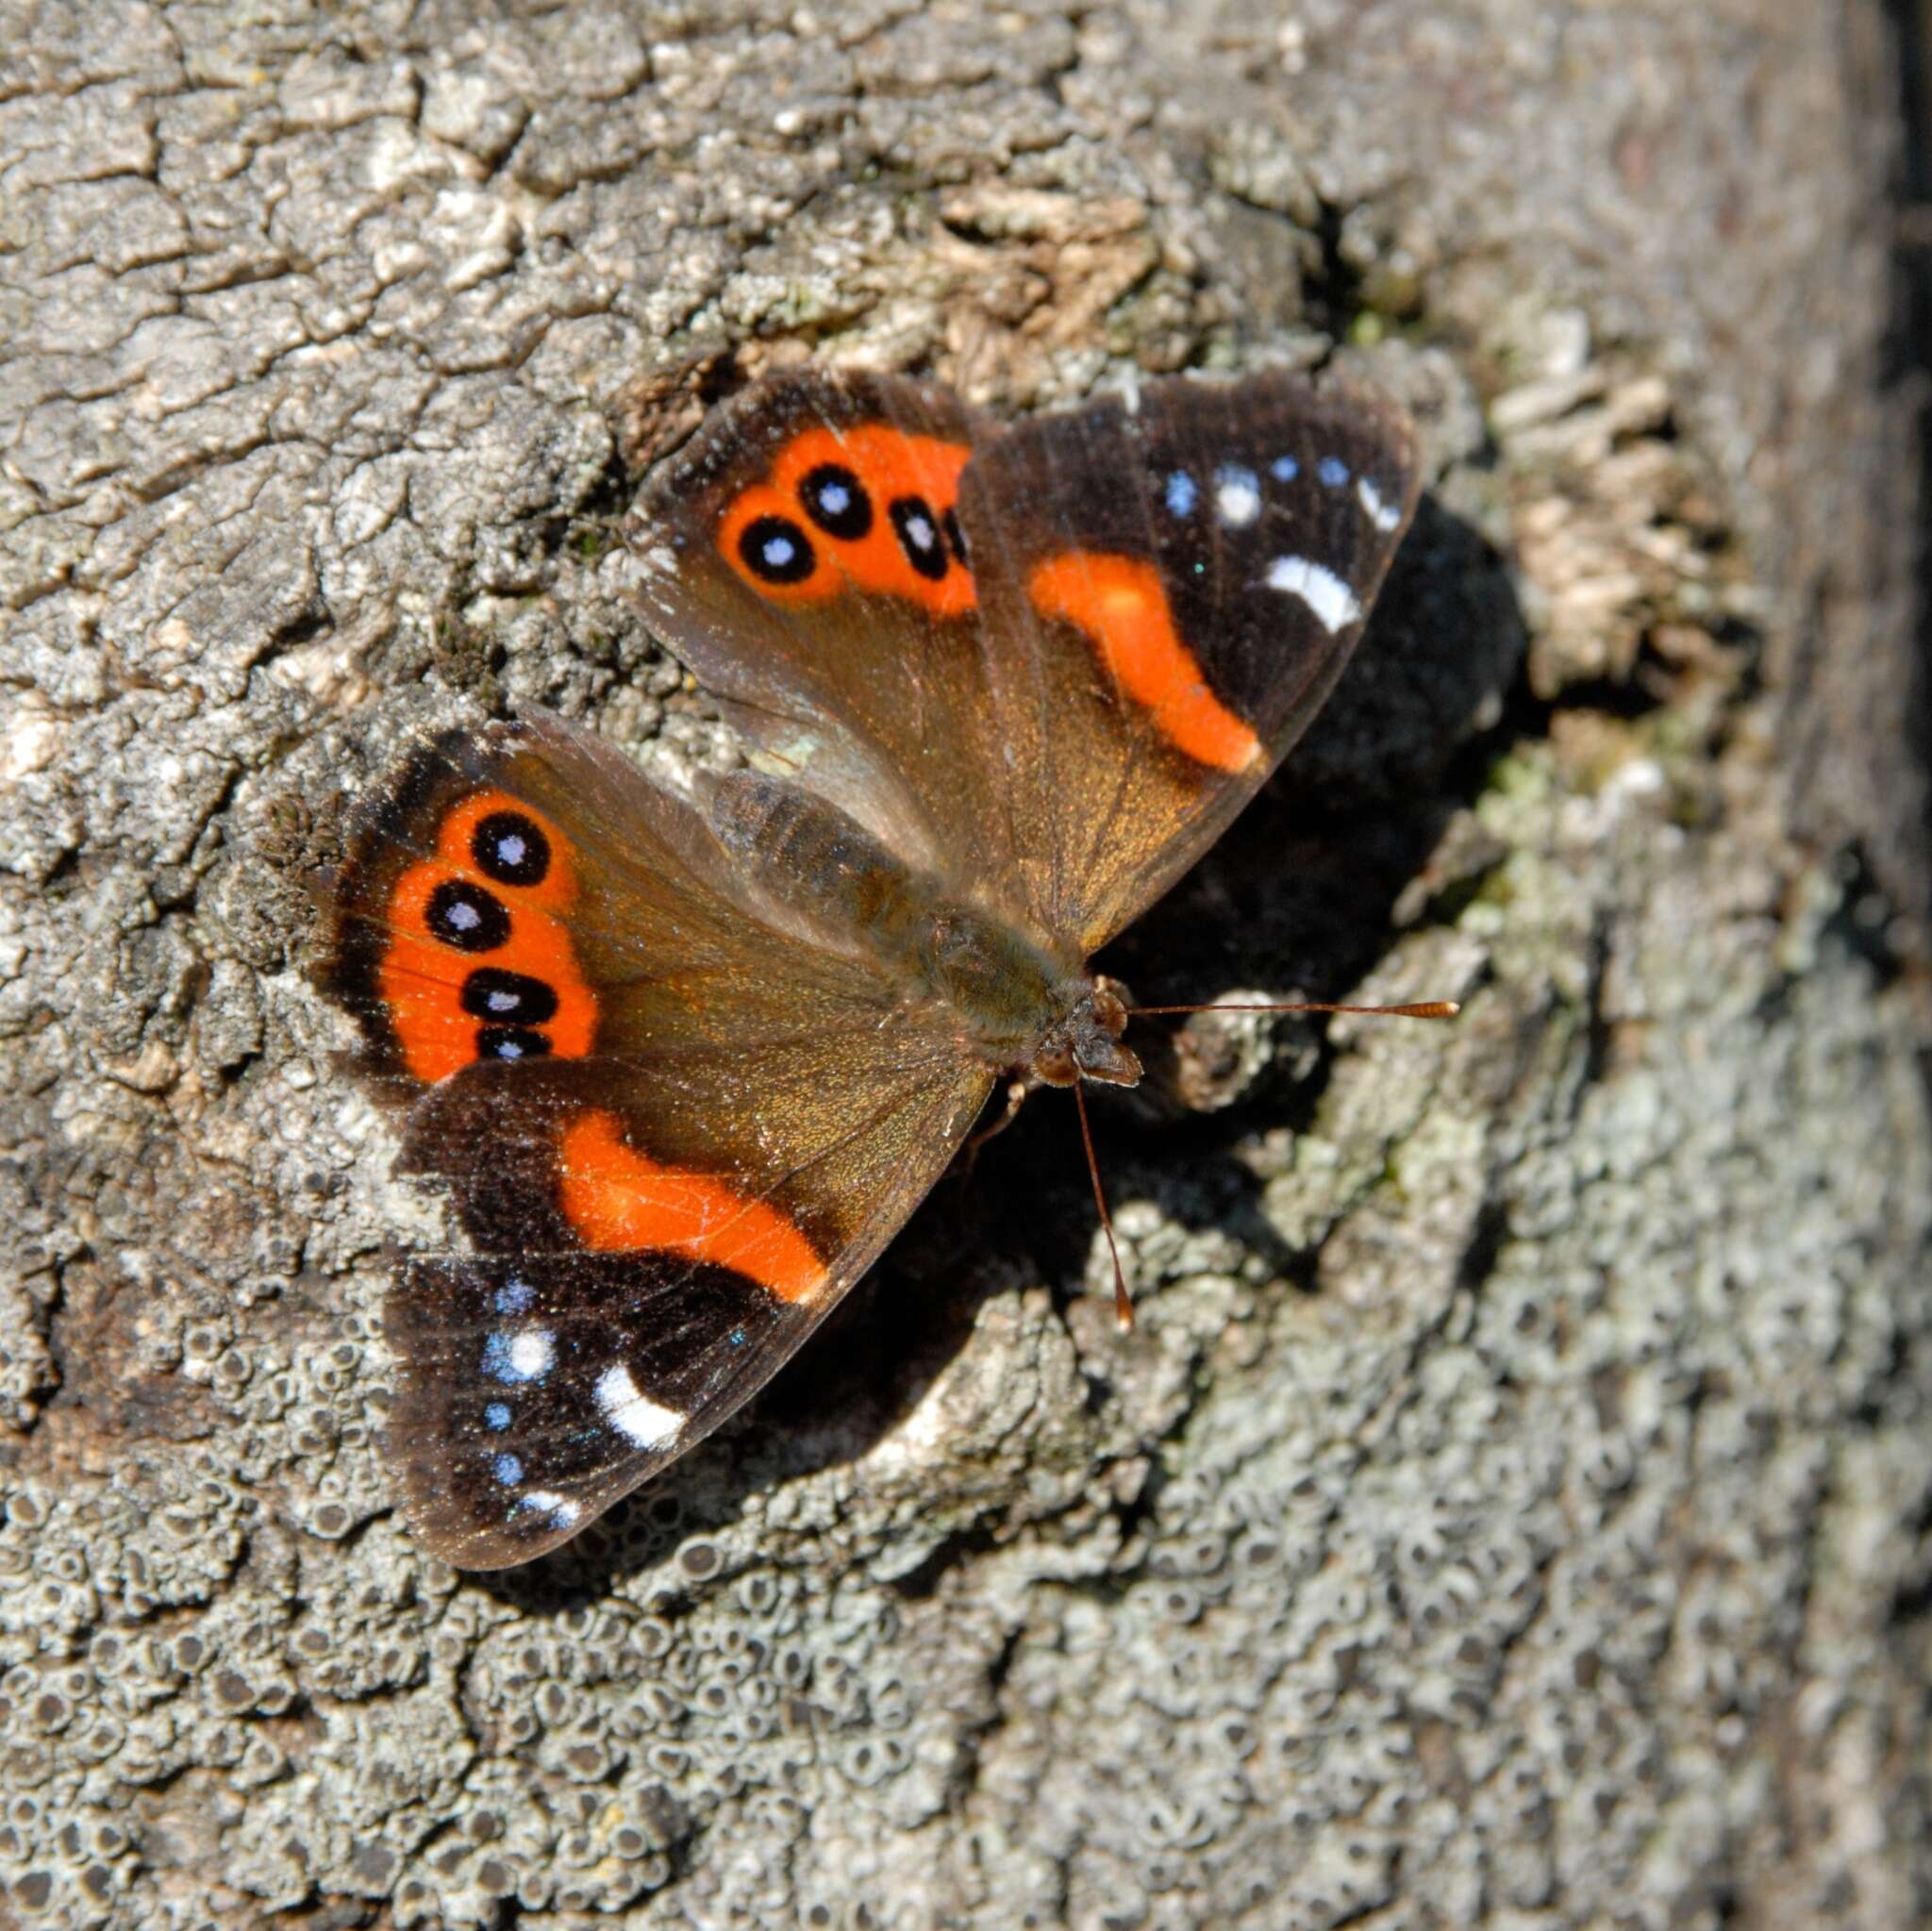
(1136, 608)
(1169, 590)
(614, 1308)
(803, 558)
(673, 1131)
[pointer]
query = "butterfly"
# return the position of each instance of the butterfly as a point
(686, 1054)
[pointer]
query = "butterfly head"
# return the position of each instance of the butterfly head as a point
(1085, 1043)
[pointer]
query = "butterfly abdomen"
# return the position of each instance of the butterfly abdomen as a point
(814, 861)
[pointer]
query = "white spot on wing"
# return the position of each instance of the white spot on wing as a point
(1385, 516)
(532, 1352)
(525, 1355)
(649, 1423)
(563, 1511)
(1237, 496)
(1333, 605)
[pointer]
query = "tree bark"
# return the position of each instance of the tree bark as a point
(1512, 1507)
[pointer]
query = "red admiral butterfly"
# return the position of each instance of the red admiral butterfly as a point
(688, 1058)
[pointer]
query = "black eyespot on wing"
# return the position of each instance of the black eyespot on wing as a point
(955, 537)
(510, 849)
(918, 530)
(509, 998)
(835, 499)
(511, 1042)
(467, 917)
(776, 550)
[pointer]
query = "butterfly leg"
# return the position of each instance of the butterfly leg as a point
(1017, 1090)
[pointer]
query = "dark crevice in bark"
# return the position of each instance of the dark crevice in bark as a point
(1907, 349)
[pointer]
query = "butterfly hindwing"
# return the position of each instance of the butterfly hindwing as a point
(450, 940)
(707, 1129)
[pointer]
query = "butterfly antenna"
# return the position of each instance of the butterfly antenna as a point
(1428, 1008)
(1122, 1305)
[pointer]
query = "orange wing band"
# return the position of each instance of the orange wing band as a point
(1118, 602)
(421, 979)
(891, 466)
(618, 1201)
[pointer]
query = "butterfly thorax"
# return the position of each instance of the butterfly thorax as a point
(1016, 1005)
(1025, 1014)
(1085, 1043)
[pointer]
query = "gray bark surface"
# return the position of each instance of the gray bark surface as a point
(1512, 1507)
